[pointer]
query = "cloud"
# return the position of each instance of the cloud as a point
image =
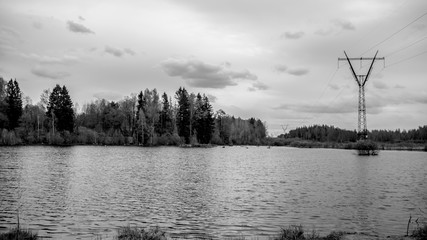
(380, 85)
(323, 32)
(118, 52)
(281, 68)
(200, 74)
(78, 28)
(113, 51)
(211, 98)
(298, 71)
(399, 86)
(81, 18)
(129, 51)
(375, 104)
(292, 35)
(344, 24)
(258, 86)
(64, 60)
(343, 107)
(46, 73)
(112, 96)
(37, 25)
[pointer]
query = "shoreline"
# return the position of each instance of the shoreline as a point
(292, 232)
(292, 144)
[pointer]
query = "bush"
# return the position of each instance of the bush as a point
(293, 232)
(367, 147)
(420, 233)
(129, 233)
(18, 234)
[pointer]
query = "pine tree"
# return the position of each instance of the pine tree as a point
(183, 114)
(166, 124)
(198, 118)
(208, 121)
(60, 110)
(14, 103)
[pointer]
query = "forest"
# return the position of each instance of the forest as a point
(144, 119)
(323, 133)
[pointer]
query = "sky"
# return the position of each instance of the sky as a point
(276, 60)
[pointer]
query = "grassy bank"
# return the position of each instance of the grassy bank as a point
(293, 232)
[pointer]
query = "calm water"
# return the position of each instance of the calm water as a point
(84, 191)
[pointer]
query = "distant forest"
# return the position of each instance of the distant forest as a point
(146, 119)
(325, 133)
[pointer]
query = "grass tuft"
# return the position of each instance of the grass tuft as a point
(129, 233)
(293, 232)
(420, 233)
(18, 234)
(334, 235)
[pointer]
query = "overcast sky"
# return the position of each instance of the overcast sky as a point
(273, 59)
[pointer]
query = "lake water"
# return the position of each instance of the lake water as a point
(84, 191)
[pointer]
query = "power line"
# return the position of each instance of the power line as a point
(406, 59)
(327, 84)
(410, 45)
(395, 9)
(395, 33)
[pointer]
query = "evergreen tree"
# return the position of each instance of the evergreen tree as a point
(183, 114)
(14, 103)
(3, 104)
(208, 121)
(166, 124)
(60, 109)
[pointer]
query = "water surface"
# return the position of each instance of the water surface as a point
(84, 191)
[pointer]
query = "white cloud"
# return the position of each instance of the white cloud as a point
(258, 86)
(118, 52)
(200, 74)
(211, 98)
(380, 85)
(292, 35)
(43, 59)
(113, 51)
(111, 96)
(298, 71)
(344, 24)
(281, 68)
(78, 28)
(46, 73)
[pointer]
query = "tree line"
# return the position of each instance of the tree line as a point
(324, 133)
(145, 118)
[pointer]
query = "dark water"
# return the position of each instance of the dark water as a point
(82, 192)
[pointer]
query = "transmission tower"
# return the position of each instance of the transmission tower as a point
(361, 80)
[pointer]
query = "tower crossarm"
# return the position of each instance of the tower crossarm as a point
(370, 69)
(352, 69)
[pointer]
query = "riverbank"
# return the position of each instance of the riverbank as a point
(293, 232)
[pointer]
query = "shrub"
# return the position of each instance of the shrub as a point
(18, 234)
(420, 233)
(129, 233)
(367, 147)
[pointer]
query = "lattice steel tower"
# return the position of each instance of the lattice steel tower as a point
(361, 80)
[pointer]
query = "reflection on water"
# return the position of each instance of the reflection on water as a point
(80, 192)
